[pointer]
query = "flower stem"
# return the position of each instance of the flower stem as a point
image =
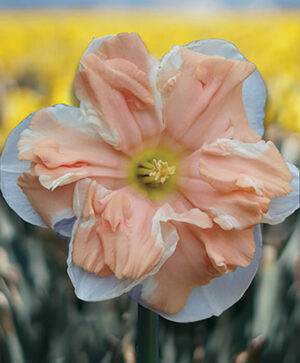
(147, 336)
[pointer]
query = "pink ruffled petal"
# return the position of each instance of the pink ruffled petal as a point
(215, 297)
(202, 98)
(254, 90)
(91, 202)
(114, 232)
(179, 209)
(117, 89)
(204, 252)
(221, 292)
(234, 182)
(88, 251)
(62, 150)
(51, 206)
(188, 268)
(282, 207)
(201, 255)
(227, 250)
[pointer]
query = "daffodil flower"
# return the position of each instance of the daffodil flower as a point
(161, 177)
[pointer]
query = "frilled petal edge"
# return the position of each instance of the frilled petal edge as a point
(254, 90)
(22, 191)
(217, 296)
(91, 287)
(281, 207)
(122, 67)
(94, 45)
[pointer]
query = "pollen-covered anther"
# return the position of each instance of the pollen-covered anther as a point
(155, 171)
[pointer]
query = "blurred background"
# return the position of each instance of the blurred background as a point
(41, 42)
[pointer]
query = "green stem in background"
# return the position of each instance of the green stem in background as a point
(148, 346)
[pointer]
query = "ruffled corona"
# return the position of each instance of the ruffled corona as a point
(160, 178)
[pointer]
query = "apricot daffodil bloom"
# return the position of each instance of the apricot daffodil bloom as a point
(161, 177)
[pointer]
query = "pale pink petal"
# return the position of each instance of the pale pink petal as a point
(227, 250)
(230, 210)
(63, 150)
(204, 252)
(179, 209)
(201, 255)
(254, 90)
(234, 182)
(282, 207)
(215, 297)
(88, 250)
(115, 231)
(51, 206)
(117, 89)
(129, 247)
(188, 268)
(202, 98)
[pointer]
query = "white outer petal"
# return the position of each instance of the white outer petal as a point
(281, 207)
(156, 94)
(63, 222)
(90, 287)
(250, 150)
(64, 115)
(96, 123)
(171, 61)
(94, 45)
(70, 116)
(254, 90)
(218, 295)
(10, 169)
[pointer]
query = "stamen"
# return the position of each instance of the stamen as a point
(157, 171)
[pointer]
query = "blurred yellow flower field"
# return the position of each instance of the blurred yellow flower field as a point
(39, 53)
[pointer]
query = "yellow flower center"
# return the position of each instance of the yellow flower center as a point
(157, 171)
(153, 172)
